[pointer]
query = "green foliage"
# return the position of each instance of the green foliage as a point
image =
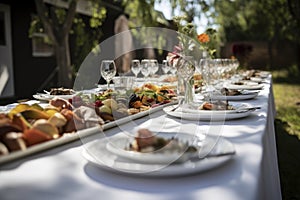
(244, 19)
(35, 26)
(193, 43)
(60, 14)
(98, 15)
(141, 13)
(87, 35)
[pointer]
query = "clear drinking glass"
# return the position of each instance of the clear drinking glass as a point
(145, 68)
(173, 69)
(218, 70)
(209, 73)
(205, 68)
(135, 67)
(154, 67)
(108, 70)
(165, 67)
(236, 64)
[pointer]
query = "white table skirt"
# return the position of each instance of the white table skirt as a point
(62, 173)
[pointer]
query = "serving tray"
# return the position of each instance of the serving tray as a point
(69, 137)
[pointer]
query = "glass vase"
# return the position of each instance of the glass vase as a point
(185, 72)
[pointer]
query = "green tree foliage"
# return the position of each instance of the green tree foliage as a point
(254, 19)
(258, 20)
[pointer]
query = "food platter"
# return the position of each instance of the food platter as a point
(97, 153)
(67, 138)
(29, 125)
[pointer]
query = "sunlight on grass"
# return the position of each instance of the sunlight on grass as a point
(287, 100)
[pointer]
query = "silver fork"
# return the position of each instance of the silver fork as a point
(242, 110)
(180, 101)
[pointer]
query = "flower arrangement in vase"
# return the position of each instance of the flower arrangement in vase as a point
(187, 53)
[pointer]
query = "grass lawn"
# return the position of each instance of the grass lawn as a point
(286, 89)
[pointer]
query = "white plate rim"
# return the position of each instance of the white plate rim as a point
(245, 96)
(206, 116)
(48, 97)
(244, 87)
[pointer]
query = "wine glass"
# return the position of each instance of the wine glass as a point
(108, 70)
(205, 68)
(165, 67)
(235, 65)
(218, 70)
(154, 67)
(135, 67)
(173, 69)
(208, 71)
(145, 68)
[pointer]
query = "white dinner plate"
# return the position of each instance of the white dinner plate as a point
(96, 152)
(254, 86)
(48, 97)
(207, 115)
(243, 96)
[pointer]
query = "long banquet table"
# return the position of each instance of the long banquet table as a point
(63, 173)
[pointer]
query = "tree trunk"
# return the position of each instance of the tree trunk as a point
(298, 58)
(270, 52)
(294, 7)
(59, 34)
(63, 60)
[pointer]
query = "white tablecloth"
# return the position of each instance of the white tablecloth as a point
(62, 173)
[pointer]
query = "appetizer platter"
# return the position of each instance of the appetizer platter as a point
(27, 129)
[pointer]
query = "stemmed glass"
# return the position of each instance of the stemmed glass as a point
(165, 66)
(205, 68)
(108, 70)
(173, 69)
(235, 65)
(135, 67)
(145, 68)
(154, 67)
(208, 71)
(219, 69)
